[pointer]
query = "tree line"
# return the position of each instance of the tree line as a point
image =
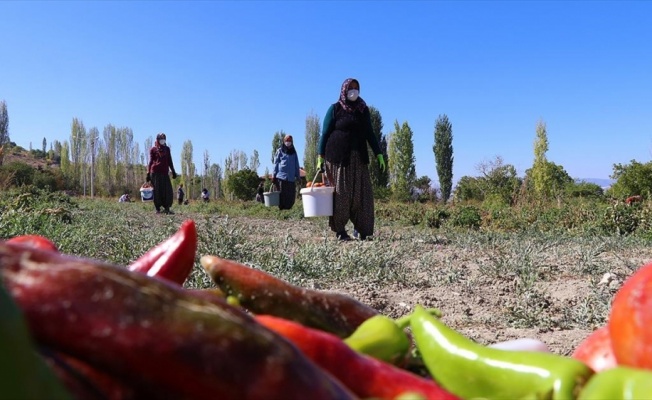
(111, 162)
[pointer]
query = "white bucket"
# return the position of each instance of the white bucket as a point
(147, 193)
(272, 199)
(317, 201)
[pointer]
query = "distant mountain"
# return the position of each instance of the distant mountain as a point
(604, 183)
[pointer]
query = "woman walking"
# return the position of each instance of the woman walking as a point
(343, 152)
(160, 163)
(286, 173)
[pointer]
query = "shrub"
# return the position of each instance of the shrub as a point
(20, 173)
(243, 184)
(436, 218)
(620, 219)
(584, 189)
(466, 217)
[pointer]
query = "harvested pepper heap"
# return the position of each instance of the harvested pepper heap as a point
(110, 332)
(155, 334)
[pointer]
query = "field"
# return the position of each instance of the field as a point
(490, 285)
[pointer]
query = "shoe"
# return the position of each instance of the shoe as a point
(168, 211)
(343, 236)
(355, 233)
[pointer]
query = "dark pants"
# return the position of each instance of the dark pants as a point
(163, 195)
(288, 194)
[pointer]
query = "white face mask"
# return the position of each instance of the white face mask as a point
(162, 142)
(352, 94)
(288, 144)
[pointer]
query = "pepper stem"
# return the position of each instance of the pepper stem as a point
(404, 321)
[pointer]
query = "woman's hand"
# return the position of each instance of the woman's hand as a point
(381, 161)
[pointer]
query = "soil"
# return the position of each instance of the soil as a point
(478, 311)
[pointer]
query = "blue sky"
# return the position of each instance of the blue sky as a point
(228, 75)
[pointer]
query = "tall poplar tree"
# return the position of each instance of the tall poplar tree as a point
(379, 178)
(187, 166)
(4, 127)
(108, 159)
(77, 145)
(277, 142)
(66, 167)
(216, 179)
(312, 141)
(443, 149)
(93, 146)
(402, 170)
(540, 177)
(254, 161)
(205, 178)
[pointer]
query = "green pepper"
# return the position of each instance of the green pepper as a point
(380, 337)
(383, 338)
(622, 383)
(23, 373)
(471, 370)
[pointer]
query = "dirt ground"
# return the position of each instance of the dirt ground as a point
(475, 305)
(476, 313)
(469, 314)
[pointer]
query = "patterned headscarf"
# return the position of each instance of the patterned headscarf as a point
(358, 105)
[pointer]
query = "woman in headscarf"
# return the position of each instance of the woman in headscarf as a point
(160, 163)
(343, 152)
(286, 173)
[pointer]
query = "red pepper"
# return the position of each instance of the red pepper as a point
(155, 334)
(596, 351)
(262, 293)
(364, 375)
(173, 258)
(34, 241)
(86, 382)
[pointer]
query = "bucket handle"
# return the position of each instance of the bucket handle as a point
(312, 185)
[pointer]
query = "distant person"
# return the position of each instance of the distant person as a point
(342, 151)
(260, 194)
(180, 194)
(286, 173)
(160, 164)
(204, 195)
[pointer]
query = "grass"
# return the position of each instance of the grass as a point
(519, 278)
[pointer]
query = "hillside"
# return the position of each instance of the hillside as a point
(24, 156)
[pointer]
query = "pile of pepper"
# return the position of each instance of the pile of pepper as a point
(75, 328)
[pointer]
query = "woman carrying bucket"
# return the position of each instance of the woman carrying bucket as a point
(343, 152)
(286, 173)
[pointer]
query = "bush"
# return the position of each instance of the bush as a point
(47, 180)
(436, 218)
(18, 173)
(620, 219)
(466, 217)
(243, 184)
(584, 189)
